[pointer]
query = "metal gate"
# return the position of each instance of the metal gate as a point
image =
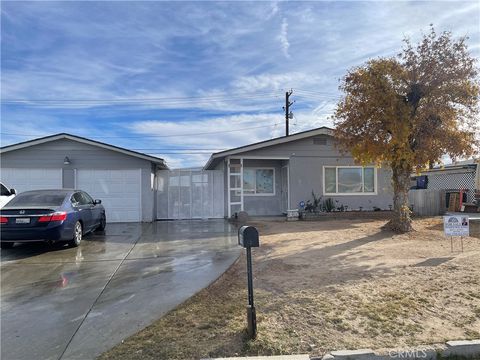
(190, 194)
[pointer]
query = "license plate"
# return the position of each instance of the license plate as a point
(22, 220)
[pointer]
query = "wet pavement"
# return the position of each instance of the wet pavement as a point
(75, 303)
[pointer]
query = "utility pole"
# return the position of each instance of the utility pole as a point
(288, 113)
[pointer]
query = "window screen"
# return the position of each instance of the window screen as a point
(258, 181)
(349, 180)
(249, 181)
(369, 179)
(330, 180)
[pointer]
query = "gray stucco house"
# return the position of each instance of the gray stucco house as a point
(121, 178)
(269, 177)
(265, 178)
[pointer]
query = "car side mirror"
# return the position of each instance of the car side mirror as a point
(97, 201)
(13, 192)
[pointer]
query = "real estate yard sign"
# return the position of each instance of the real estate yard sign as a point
(456, 225)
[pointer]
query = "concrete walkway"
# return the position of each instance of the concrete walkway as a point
(75, 303)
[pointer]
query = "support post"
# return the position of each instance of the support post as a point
(288, 113)
(248, 238)
(251, 314)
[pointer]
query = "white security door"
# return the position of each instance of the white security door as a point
(190, 194)
(31, 179)
(119, 190)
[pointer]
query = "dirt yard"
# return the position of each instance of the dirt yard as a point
(328, 285)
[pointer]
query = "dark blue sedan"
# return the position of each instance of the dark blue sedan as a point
(50, 216)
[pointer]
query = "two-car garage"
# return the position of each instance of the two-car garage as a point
(121, 178)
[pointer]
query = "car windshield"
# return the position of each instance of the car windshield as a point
(37, 199)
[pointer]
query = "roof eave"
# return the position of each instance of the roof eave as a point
(42, 140)
(263, 144)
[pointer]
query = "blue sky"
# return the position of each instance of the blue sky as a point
(180, 80)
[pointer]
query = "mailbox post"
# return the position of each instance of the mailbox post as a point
(248, 238)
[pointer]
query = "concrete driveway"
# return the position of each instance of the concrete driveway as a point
(75, 303)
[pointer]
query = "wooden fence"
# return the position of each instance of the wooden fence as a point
(427, 202)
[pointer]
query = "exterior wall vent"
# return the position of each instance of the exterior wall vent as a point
(320, 141)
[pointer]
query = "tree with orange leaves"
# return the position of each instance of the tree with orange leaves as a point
(407, 111)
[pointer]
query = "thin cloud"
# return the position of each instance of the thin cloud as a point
(283, 38)
(226, 60)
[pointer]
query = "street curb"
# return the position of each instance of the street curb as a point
(462, 349)
(277, 357)
(458, 350)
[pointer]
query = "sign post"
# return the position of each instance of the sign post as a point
(248, 238)
(456, 225)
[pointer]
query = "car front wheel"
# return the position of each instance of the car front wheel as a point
(77, 235)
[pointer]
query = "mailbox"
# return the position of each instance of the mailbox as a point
(248, 237)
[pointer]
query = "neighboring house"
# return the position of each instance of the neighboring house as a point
(270, 177)
(452, 178)
(121, 178)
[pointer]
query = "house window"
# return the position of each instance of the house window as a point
(348, 180)
(258, 181)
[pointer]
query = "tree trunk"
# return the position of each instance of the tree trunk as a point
(401, 221)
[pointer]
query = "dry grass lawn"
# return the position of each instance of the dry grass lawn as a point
(328, 285)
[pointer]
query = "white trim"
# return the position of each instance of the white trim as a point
(288, 186)
(230, 189)
(261, 194)
(229, 210)
(288, 183)
(375, 175)
(241, 185)
(260, 157)
(190, 192)
(140, 198)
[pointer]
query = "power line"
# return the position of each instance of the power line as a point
(165, 150)
(174, 99)
(160, 149)
(171, 101)
(186, 153)
(317, 98)
(161, 136)
(316, 92)
(248, 95)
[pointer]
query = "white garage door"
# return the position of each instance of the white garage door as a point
(31, 179)
(119, 190)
